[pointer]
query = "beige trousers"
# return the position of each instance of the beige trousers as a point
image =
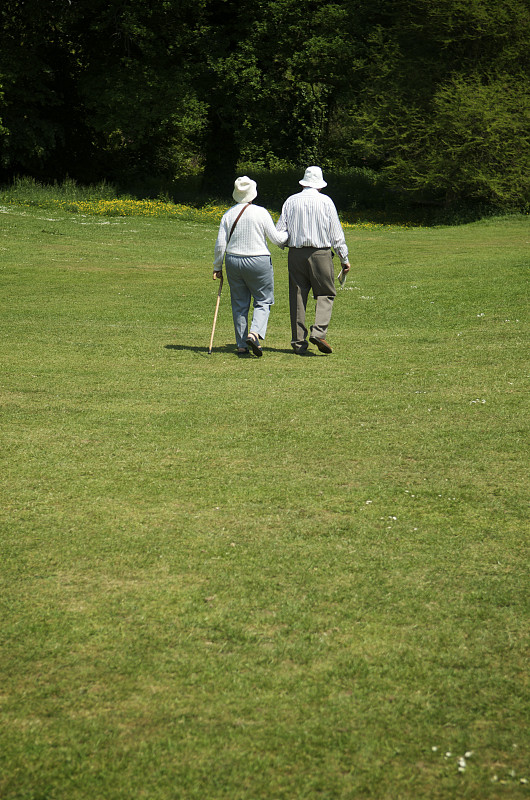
(310, 269)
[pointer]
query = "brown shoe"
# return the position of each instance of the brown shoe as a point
(322, 345)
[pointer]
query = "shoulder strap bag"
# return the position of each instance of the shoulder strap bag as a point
(235, 222)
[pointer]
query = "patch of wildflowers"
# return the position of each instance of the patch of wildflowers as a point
(127, 207)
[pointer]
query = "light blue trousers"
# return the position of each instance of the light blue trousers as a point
(250, 277)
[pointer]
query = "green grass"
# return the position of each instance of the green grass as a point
(278, 578)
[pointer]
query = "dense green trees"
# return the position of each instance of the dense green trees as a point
(93, 88)
(443, 108)
(431, 94)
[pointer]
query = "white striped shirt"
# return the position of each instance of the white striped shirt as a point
(250, 235)
(311, 220)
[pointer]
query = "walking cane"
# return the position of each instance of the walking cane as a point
(216, 311)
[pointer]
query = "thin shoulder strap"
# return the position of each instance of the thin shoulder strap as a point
(236, 221)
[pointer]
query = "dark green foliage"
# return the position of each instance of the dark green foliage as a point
(476, 145)
(96, 89)
(38, 73)
(430, 95)
(443, 109)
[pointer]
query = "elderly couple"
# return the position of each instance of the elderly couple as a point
(309, 226)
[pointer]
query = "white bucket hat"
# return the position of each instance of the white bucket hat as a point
(244, 190)
(313, 178)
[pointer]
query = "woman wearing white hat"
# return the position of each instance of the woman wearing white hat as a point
(242, 243)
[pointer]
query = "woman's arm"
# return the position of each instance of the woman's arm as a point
(276, 236)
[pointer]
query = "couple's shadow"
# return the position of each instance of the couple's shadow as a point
(227, 349)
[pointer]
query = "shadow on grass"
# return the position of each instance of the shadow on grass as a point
(229, 349)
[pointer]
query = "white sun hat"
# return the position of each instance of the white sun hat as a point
(244, 190)
(313, 178)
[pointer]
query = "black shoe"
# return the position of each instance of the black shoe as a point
(300, 351)
(253, 342)
(322, 345)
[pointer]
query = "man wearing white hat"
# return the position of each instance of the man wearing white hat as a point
(311, 220)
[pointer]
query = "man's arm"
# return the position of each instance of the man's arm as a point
(336, 234)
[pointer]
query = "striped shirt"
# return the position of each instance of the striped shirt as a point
(250, 235)
(311, 220)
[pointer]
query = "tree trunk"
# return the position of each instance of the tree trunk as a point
(222, 153)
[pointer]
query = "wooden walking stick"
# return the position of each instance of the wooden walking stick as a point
(216, 311)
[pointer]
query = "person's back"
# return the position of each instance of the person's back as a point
(311, 220)
(242, 244)
(313, 228)
(253, 229)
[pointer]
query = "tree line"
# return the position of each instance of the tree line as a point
(432, 96)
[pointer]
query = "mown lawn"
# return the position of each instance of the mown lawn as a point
(276, 578)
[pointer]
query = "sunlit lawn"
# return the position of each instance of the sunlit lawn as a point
(263, 578)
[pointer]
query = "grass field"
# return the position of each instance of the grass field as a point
(275, 578)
